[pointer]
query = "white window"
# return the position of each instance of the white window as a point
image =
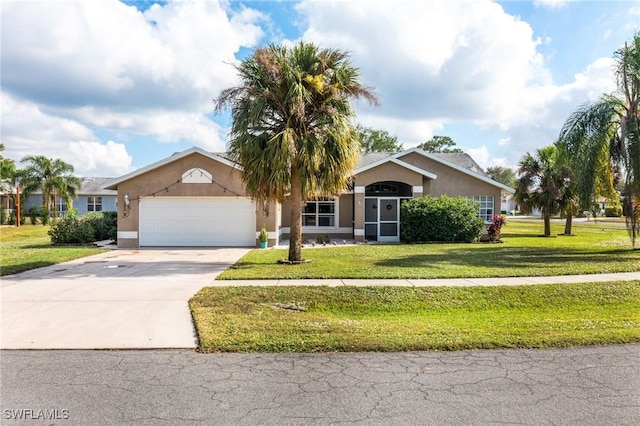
(94, 204)
(486, 206)
(319, 213)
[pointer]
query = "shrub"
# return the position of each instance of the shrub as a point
(4, 215)
(613, 211)
(33, 215)
(104, 224)
(44, 215)
(71, 230)
(440, 219)
(494, 229)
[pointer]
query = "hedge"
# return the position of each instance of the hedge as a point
(441, 219)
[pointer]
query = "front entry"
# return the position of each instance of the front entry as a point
(382, 219)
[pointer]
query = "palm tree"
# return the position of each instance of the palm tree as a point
(541, 183)
(292, 126)
(604, 136)
(50, 176)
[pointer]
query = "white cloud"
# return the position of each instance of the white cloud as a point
(27, 130)
(438, 60)
(442, 63)
(82, 65)
(97, 159)
(553, 4)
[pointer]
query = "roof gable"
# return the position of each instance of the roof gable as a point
(390, 159)
(440, 158)
(113, 184)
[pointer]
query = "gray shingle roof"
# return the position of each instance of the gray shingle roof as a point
(92, 186)
(459, 159)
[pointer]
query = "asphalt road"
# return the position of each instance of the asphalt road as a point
(577, 386)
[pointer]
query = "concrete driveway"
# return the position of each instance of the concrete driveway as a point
(118, 299)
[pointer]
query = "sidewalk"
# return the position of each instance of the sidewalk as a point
(437, 282)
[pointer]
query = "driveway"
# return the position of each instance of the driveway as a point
(118, 299)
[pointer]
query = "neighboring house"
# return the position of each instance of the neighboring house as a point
(197, 198)
(508, 204)
(91, 197)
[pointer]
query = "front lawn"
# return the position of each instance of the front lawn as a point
(253, 319)
(596, 248)
(29, 247)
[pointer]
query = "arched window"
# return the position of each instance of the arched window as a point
(393, 189)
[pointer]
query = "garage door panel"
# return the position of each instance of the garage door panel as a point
(172, 221)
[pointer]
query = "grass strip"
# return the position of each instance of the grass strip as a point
(596, 248)
(29, 247)
(382, 319)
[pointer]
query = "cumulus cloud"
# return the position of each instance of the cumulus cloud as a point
(552, 4)
(437, 60)
(443, 63)
(82, 65)
(97, 159)
(27, 130)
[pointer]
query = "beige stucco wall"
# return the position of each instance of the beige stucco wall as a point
(165, 181)
(450, 181)
(344, 220)
(389, 172)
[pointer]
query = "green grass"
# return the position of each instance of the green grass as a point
(29, 247)
(596, 248)
(242, 319)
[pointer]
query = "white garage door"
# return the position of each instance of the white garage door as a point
(197, 221)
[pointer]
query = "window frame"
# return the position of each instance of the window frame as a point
(93, 202)
(485, 206)
(317, 214)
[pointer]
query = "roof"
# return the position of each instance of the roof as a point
(459, 161)
(113, 184)
(91, 186)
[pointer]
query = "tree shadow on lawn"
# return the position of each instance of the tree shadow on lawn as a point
(510, 258)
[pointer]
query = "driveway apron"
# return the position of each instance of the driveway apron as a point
(121, 299)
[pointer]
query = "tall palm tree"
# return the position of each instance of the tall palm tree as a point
(541, 183)
(604, 136)
(292, 125)
(50, 176)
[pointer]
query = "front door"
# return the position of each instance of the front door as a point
(382, 219)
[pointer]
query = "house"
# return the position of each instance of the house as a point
(91, 197)
(197, 198)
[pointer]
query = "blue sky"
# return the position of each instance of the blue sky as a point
(111, 86)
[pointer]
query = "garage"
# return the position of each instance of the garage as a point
(197, 222)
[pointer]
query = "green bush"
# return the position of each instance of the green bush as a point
(74, 229)
(613, 211)
(71, 230)
(441, 218)
(44, 215)
(4, 215)
(104, 224)
(33, 215)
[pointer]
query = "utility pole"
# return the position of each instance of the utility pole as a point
(18, 206)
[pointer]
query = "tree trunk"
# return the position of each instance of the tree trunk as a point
(568, 223)
(547, 222)
(295, 201)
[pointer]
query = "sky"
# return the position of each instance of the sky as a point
(111, 86)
